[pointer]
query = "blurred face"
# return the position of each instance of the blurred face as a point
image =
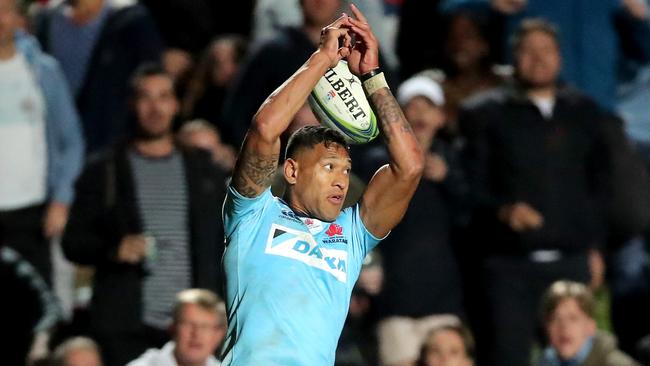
(319, 179)
(446, 348)
(569, 328)
(9, 21)
(538, 60)
(83, 358)
(319, 13)
(465, 44)
(198, 333)
(155, 106)
(225, 65)
(425, 118)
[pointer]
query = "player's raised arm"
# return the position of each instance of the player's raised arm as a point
(388, 194)
(260, 151)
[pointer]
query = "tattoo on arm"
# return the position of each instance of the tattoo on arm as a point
(254, 173)
(389, 113)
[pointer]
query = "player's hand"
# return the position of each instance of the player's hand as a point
(364, 56)
(335, 40)
(132, 249)
(521, 217)
(55, 219)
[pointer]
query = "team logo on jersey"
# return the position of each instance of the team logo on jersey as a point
(301, 246)
(334, 229)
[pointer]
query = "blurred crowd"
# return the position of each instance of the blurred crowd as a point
(527, 241)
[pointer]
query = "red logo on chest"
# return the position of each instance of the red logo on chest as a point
(334, 229)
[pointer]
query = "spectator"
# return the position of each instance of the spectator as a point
(28, 310)
(99, 44)
(211, 80)
(201, 134)
(422, 277)
(568, 310)
(200, 21)
(420, 19)
(448, 344)
(469, 62)
(41, 148)
(590, 62)
(147, 216)
(198, 329)
(77, 351)
(535, 158)
(271, 63)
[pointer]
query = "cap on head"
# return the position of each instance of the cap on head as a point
(421, 86)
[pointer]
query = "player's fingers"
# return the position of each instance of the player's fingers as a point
(341, 21)
(357, 13)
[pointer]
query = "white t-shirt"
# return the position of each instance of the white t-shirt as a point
(23, 153)
(164, 357)
(545, 105)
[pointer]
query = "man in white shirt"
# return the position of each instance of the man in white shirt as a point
(41, 147)
(198, 329)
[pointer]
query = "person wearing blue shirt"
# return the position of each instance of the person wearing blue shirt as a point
(291, 263)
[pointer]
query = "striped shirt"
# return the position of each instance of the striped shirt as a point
(161, 193)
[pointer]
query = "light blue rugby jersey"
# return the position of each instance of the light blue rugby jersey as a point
(288, 281)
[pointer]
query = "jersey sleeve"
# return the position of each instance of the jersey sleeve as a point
(363, 241)
(237, 208)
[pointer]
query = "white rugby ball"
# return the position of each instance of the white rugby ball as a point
(339, 102)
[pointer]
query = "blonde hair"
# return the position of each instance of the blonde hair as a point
(72, 345)
(563, 290)
(204, 299)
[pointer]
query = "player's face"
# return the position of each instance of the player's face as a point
(569, 328)
(321, 181)
(538, 59)
(446, 348)
(198, 334)
(155, 105)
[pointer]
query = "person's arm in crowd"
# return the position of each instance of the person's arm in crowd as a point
(519, 216)
(33, 290)
(147, 42)
(85, 239)
(67, 148)
(248, 91)
(390, 190)
(260, 152)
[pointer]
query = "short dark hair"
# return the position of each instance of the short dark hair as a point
(309, 136)
(531, 25)
(564, 290)
(145, 70)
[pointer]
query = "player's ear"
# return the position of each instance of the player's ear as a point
(290, 171)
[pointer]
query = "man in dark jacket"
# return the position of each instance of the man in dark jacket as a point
(99, 44)
(147, 216)
(536, 164)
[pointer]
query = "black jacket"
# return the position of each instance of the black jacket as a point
(556, 165)
(105, 210)
(128, 38)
